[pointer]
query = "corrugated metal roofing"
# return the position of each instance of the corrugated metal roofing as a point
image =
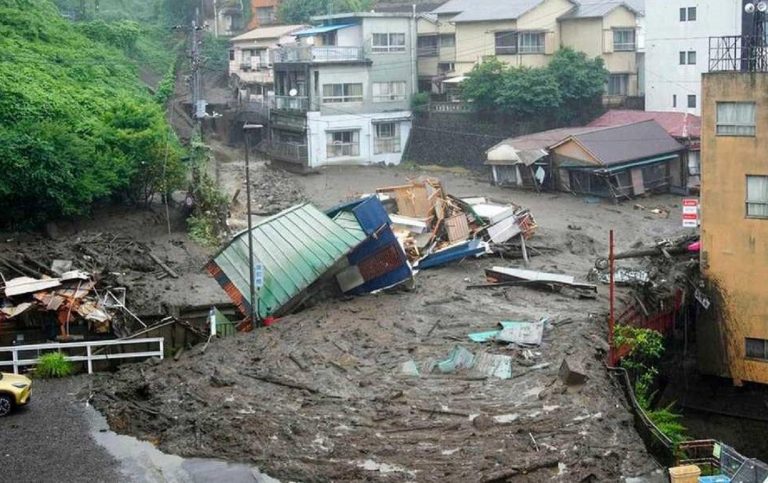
(483, 10)
(296, 247)
(321, 29)
(600, 8)
(677, 124)
(267, 33)
(621, 144)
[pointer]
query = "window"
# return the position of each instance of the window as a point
(447, 41)
(531, 43)
(691, 101)
(756, 348)
(735, 119)
(342, 144)
(506, 43)
(342, 93)
(387, 138)
(446, 67)
(624, 40)
(427, 46)
(674, 100)
(757, 196)
(688, 14)
(388, 91)
(265, 15)
(231, 54)
(688, 58)
(618, 84)
(383, 43)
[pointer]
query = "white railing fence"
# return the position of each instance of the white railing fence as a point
(17, 361)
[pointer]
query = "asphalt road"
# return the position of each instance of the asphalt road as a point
(50, 439)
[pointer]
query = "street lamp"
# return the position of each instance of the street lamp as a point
(251, 269)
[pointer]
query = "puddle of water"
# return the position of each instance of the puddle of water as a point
(141, 462)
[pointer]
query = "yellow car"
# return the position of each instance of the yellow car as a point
(14, 392)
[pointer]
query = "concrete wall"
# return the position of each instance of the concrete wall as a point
(318, 126)
(667, 36)
(734, 248)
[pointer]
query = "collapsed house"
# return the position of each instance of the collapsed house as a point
(359, 247)
(613, 162)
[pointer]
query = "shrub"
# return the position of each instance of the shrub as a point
(54, 365)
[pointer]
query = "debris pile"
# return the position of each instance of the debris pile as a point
(272, 190)
(435, 228)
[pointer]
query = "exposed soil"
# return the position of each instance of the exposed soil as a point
(320, 396)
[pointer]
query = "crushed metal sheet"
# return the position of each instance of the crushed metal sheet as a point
(494, 365)
(12, 312)
(458, 359)
(25, 285)
(523, 333)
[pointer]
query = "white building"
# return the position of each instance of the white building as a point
(343, 91)
(677, 48)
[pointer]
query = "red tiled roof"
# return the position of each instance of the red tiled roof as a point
(677, 124)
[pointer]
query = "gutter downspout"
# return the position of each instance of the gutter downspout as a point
(414, 37)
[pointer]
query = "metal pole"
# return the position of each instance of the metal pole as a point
(251, 269)
(611, 315)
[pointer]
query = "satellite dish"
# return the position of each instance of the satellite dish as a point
(293, 92)
(749, 8)
(762, 7)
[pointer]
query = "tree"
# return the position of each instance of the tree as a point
(300, 11)
(530, 93)
(582, 84)
(481, 86)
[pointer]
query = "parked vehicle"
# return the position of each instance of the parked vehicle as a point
(14, 392)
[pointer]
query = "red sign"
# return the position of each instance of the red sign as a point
(690, 212)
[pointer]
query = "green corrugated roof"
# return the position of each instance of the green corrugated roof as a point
(296, 247)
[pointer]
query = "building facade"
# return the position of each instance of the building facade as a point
(343, 91)
(677, 48)
(732, 327)
(263, 13)
(461, 33)
(250, 61)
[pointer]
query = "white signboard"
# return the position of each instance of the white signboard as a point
(691, 213)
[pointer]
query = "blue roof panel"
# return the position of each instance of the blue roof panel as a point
(321, 29)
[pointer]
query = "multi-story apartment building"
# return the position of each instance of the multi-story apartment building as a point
(342, 92)
(250, 63)
(732, 327)
(263, 13)
(677, 48)
(461, 33)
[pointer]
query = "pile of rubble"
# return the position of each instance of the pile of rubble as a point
(435, 228)
(272, 190)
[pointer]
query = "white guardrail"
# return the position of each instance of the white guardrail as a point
(89, 357)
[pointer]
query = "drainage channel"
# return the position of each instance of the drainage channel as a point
(141, 462)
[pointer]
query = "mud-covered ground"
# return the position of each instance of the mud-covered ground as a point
(320, 396)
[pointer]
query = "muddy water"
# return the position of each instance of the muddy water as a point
(141, 462)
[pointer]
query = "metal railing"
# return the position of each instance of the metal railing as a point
(16, 362)
(741, 53)
(326, 53)
(288, 151)
(430, 51)
(292, 103)
(450, 106)
(386, 145)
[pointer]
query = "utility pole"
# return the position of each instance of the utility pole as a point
(196, 85)
(255, 315)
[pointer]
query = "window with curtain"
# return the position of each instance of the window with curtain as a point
(618, 84)
(736, 118)
(624, 40)
(757, 196)
(531, 43)
(342, 93)
(506, 43)
(383, 43)
(387, 138)
(427, 45)
(341, 144)
(388, 91)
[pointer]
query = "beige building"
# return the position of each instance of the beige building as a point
(461, 33)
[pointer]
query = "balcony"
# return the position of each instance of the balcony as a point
(739, 53)
(292, 103)
(312, 54)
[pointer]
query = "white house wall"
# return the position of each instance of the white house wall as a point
(667, 36)
(319, 125)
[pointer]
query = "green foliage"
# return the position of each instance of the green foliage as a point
(582, 84)
(60, 92)
(300, 11)
(419, 100)
(53, 365)
(166, 86)
(568, 90)
(122, 33)
(215, 52)
(209, 216)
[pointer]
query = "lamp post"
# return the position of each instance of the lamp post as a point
(251, 269)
